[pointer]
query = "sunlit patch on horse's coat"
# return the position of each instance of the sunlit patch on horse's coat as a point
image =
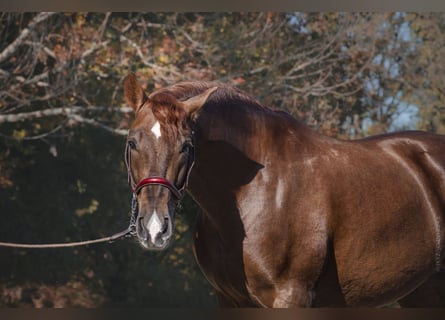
(279, 196)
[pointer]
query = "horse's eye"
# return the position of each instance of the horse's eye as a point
(186, 147)
(132, 144)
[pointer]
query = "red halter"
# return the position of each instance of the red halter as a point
(158, 181)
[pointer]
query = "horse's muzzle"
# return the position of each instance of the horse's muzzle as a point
(153, 232)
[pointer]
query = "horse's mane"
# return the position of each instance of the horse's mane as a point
(228, 103)
(185, 90)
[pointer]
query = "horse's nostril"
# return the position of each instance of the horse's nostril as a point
(165, 227)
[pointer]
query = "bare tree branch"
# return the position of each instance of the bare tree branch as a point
(9, 50)
(94, 123)
(68, 111)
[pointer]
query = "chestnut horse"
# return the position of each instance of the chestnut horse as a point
(289, 217)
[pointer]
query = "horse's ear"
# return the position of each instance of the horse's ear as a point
(195, 103)
(134, 93)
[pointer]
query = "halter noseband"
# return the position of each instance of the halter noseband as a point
(158, 181)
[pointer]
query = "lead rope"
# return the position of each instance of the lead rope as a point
(129, 232)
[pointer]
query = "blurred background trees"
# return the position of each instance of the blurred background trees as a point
(63, 123)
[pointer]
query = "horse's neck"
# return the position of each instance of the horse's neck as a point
(235, 126)
(233, 147)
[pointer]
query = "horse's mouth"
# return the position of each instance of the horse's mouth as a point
(157, 246)
(155, 241)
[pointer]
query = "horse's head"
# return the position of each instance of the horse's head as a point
(159, 156)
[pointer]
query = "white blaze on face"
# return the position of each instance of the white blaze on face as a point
(156, 130)
(154, 226)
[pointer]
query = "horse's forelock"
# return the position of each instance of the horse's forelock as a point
(170, 116)
(165, 108)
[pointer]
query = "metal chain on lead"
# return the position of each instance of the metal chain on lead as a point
(134, 209)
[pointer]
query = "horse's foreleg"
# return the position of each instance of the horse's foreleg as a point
(224, 302)
(292, 294)
(430, 294)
